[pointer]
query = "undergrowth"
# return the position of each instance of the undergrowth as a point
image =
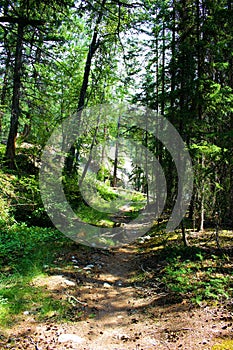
(24, 254)
(201, 278)
(198, 274)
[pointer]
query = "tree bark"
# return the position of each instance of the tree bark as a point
(15, 109)
(90, 154)
(202, 208)
(184, 237)
(4, 87)
(114, 180)
(21, 22)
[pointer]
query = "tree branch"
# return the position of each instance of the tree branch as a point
(21, 20)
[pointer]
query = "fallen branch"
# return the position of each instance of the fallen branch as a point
(71, 297)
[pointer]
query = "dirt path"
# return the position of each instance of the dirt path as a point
(120, 314)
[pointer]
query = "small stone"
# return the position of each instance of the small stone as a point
(74, 260)
(107, 285)
(63, 338)
(88, 267)
(69, 283)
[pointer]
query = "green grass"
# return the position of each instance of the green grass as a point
(105, 201)
(19, 296)
(199, 274)
(29, 254)
(200, 278)
(93, 216)
(96, 200)
(19, 241)
(25, 252)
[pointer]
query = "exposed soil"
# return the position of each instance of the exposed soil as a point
(109, 311)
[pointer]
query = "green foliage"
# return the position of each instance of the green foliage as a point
(199, 275)
(71, 190)
(6, 193)
(199, 278)
(4, 211)
(93, 216)
(186, 75)
(18, 295)
(20, 194)
(19, 241)
(24, 253)
(103, 174)
(106, 192)
(27, 205)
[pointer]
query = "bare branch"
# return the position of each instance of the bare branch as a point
(22, 20)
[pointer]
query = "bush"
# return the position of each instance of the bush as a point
(19, 240)
(6, 194)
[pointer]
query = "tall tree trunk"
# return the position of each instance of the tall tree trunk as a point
(15, 109)
(146, 163)
(173, 52)
(163, 71)
(184, 236)
(157, 71)
(103, 147)
(230, 210)
(114, 180)
(202, 195)
(173, 105)
(4, 87)
(90, 153)
(83, 92)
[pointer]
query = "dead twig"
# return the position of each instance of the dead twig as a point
(34, 343)
(71, 297)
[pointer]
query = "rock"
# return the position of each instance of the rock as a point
(69, 283)
(63, 338)
(107, 285)
(144, 239)
(88, 267)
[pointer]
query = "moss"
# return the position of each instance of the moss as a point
(224, 345)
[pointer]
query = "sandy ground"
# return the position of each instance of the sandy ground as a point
(118, 314)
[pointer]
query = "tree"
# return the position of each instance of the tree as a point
(188, 79)
(26, 16)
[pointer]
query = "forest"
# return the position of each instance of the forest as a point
(116, 126)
